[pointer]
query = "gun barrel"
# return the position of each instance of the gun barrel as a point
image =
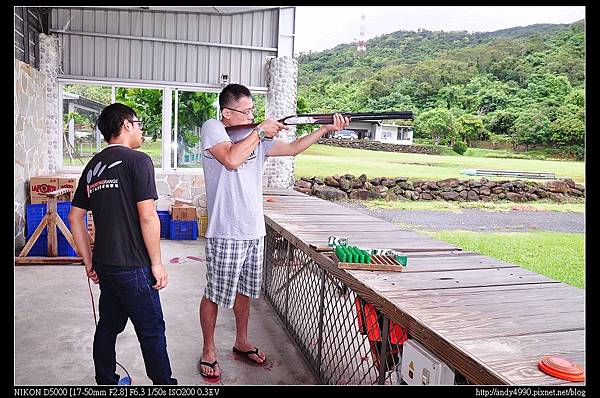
(365, 115)
(327, 118)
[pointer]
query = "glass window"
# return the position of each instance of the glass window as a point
(259, 101)
(147, 104)
(192, 109)
(81, 106)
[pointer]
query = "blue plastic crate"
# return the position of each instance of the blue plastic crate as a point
(183, 230)
(64, 248)
(165, 221)
(37, 211)
(63, 209)
(34, 214)
(40, 248)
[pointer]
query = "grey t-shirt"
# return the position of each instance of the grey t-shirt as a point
(233, 197)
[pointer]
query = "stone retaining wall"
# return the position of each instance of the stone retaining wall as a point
(379, 146)
(453, 189)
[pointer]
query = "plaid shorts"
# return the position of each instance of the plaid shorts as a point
(233, 266)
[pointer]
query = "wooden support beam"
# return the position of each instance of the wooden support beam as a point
(51, 220)
(52, 239)
(34, 237)
(47, 260)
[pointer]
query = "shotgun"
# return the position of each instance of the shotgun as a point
(327, 118)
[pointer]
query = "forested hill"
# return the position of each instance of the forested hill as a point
(493, 78)
(410, 47)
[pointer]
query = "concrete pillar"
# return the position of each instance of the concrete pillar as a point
(71, 126)
(50, 60)
(282, 77)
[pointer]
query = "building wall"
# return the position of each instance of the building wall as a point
(30, 138)
(68, 51)
(186, 186)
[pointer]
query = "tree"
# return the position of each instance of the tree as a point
(147, 103)
(531, 127)
(452, 96)
(302, 107)
(501, 121)
(576, 97)
(101, 94)
(396, 101)
(194, 109)
(470, 127)
(489, 100)
(437, 122)
(567, 129)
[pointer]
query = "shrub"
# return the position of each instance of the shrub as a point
(459, 147)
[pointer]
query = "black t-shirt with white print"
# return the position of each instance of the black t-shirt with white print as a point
(110, 186)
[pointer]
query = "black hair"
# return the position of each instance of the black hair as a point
(112, 117)
(232, 92)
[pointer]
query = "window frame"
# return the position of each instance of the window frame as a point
(167, 126)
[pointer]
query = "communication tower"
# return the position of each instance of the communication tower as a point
(361, 46)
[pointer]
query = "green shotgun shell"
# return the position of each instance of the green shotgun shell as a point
(340, 254)
(402, 260)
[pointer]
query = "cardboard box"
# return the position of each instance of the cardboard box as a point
(182, 202)
(90, 225)
(181, 213)
(202, 224)
(69, 181)
(39, 185)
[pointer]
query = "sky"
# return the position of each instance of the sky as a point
(321, 28)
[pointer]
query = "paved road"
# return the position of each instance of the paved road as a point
(480, 220)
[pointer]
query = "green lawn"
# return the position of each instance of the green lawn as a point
(154, 149)
(557, 255)
(324, 160)
(577, 206)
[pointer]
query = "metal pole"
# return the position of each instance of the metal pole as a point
(287, 279)
(321, 316)
(384, 349)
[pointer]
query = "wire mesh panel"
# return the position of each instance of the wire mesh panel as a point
(339, 333)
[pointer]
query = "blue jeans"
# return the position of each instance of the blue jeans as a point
(127, 293)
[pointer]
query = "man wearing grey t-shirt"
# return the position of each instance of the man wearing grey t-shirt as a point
(233, 167)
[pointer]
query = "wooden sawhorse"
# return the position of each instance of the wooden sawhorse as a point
(51, 220)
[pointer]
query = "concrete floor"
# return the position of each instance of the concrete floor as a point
(54, 328)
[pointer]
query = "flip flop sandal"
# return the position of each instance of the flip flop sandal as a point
(248, 353)
(210, 365)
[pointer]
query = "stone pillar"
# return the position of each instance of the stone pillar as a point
(282, 77)
(30, 149)
(50, 59)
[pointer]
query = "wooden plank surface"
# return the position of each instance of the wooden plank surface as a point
(491, 320)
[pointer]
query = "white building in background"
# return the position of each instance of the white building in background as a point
(387, 133)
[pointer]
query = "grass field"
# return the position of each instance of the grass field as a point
(557, 255)
(324, 160)
(577, 206)
(154, 149)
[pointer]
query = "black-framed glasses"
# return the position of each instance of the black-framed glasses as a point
(247, 113)
(138, 121)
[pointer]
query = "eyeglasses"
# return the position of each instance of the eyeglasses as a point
(247, 113)
(138, 121)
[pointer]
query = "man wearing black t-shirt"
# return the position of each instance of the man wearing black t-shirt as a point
(118, 186)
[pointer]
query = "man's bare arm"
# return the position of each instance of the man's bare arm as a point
(233, 155)
(282, 148)
(82, 240)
